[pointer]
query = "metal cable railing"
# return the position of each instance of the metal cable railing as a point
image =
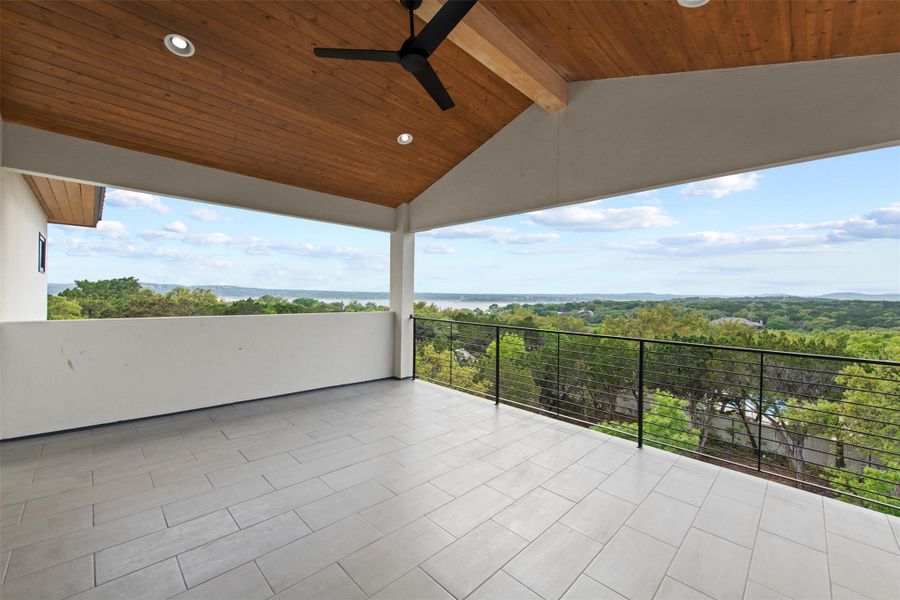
(829, 424)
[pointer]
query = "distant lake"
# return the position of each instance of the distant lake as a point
(385, 301)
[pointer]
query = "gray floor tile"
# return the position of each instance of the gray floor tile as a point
(730, 519)
(10, 514)
(802, 524)
(51, 505)
(340, 505)
(575, 482)
(686, 485)
(56, 488)
(860, 524)
(415, 585)
(465, 453)
(474, 558)
(599, 516)
(459, 481)
(532, 514)
(508, 457)
(741, 487)
(789, 568)
(232, 475)
(586, 588)
(414, 474)
(711, 565)
(200, 467)
(632, 564)
(502, 587)
(215, 499)
(223, 554)
(298, 560)
(652, 460)
(136, 554)
(521, 479)
(629, 484)
(83, 542)
(156, 582)
(607, 458)
(387, 559)
(672, 589)
(134, 503)
(551, 563)
(269, 505)
(757, 591)
(11, 494)
(405, 508)
(862, 568)
(54, 583)
(17, 536)
(244, 583)
(664, 518)
(331, 583)
(470, 510)
(359, 473)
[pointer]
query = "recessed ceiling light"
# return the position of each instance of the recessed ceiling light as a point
(179, 45)
(692, 3)
(404, 139)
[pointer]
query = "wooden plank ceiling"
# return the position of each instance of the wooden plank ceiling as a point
(68, 202)
(254, 100)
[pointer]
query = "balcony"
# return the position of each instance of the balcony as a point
(290, 456)
(399, 489)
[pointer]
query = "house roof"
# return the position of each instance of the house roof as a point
(68, 202)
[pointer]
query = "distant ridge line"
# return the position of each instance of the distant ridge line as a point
(230, 291)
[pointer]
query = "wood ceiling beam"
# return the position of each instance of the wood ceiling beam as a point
(487, 39)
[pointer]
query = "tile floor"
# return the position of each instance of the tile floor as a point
(408, 491)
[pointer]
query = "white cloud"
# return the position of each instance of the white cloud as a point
(527, 238)
(498, 235)
(437, 248)
(206, 215)
(723, 186)
(879, 224)
(461, 232)
(594, 218)
(114, 230)
(176, 227)
(135, 201)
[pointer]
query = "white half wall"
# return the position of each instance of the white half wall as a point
(65, 374)
(40, 152)
(23, 289)
(619, 136)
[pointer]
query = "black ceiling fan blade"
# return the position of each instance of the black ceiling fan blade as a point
(432, 84)
(440, 26)
(354, 54)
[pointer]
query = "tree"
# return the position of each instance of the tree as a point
(665, 422)
(60, 308)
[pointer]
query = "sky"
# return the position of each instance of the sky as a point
(831, 225)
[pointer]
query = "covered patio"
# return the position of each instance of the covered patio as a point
(407, 490)
(291, 456)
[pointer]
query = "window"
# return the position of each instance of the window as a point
(42, 253)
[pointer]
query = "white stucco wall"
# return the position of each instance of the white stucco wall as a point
(631, 134)
(23, 290)
(64, 374)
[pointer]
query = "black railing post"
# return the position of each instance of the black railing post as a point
(451, 353)
(415, 344)
(641, 394)
(497, 365)
(557, 374)
(759, 412)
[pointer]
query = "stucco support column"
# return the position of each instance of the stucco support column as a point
(402, 272)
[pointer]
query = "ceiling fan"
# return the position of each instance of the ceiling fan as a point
(413, 54)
